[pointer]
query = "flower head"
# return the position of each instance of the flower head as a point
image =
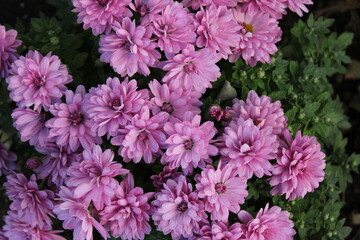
(37, 80)
(220, 231)
(129, 50)
(93, 178)
(147, 9)
(299, 168)
(99, 15)
(269, 224)
(7, 161)
(8, 46)
(179, 211)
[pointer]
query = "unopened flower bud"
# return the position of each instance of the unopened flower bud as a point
(216, 112)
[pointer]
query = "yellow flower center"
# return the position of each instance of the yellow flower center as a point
(248, 27)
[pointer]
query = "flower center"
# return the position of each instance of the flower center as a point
(38, 81)
(76, 118)
(127, 46)
(103, 3)
(257, 121)
(182, 207)
(188, 144)
(248, 27)
(167, 107)
(189, 67)
(220, 188)
(116, 105)
(143, 10)
(142, 135)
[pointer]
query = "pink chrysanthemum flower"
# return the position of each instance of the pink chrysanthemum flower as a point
(7, 161)
(298, 6)
(76, 216)
(8, 46)
(174, 28)
(55, 164)
(31, 126)
(258, 35)
(299, 168)
(71, 126)
(37, 80)
(249, 149)
(166, 174)
(173, 101)
(17, 228)
(192, 70)
(221, 190)
(112, 105)
(129, 50)
(189, 143)
(179, 211)
(275, 8)
(93, 177)
(128, 215)
(143, 137)
(262, 111)
(217, 30)
(99, 15)
(269, 224)
(148, 8)
(220, 231)
(32, 204)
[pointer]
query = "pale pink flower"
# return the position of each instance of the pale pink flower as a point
(189, 143)
(7, 160)
(220, 231)
(249, 149)
(174, 28)
(99, 15)
(275, 8)
(30, 203)
(8, 46)
(217, 30)
(128, 215)
(112, 105)
(129, 50)
(258, 34)
(71, 125)
(162, 177)
(93, 178)
(191, 70)
(75, 215)
(269, 224)
(179, 210)
(31, 126)
(37, 80)
(174, 101)
(262, 111)
(221, 190)
(299, 168)
(143, 137)
(298, 6)
(148, 8)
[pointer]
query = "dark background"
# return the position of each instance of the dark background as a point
(347, 18)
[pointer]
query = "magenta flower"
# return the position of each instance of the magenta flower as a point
(7, 161)
(189, 143)
(31, 126)
(162, 177)
(17, 228)
(262, 111)
(112, 105)
(93, 178)
(71, 125)
(258, 35)
(299, 168)
(220, 231)
(129, 50)
(31, 204)
(55, 164)
(173, 101)
(269, 224)
(298, 6)
(99, 15)
(148, 8)
(128, 215)
(249, 149)
(192, 70)
(37, 80)
(217, 30)
(275, 8)
(75, 215)
(8, 46)
(142, 138)
(174, 28)
(221, 190)
(179, 211)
